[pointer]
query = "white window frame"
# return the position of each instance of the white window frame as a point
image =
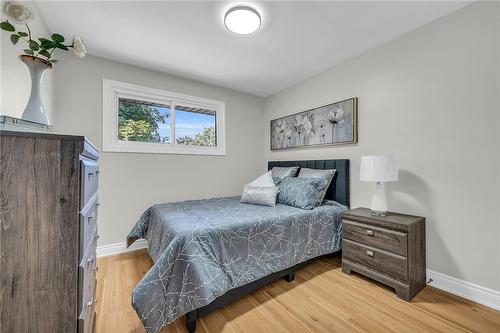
(113, 90)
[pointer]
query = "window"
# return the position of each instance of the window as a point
(195, 126)
(142, 121)
(145, 120)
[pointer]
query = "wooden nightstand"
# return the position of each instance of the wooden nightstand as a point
(389, 249)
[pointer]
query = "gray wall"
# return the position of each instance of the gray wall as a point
(15, 77)
(431, 98)
(129, 183)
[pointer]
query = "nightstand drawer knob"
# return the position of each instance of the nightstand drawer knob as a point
(369, 253)
(369, 232)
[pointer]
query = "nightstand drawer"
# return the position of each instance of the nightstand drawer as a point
(382, 261)
(388, 240)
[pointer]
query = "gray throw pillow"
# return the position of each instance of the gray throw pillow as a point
(317, 173)
(282, 172)
(277, 180)
(259, 195)
(302, 193)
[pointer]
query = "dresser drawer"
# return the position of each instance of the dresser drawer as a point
(382, 261)
(87, 317)
(388, 240)
(89, 288)
(89, 258)
(87, 279)
(89, 181)
(88, 222)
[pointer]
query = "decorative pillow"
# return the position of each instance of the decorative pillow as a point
(302, 193)
(282, 172)
(260, 191)
(266, 180)
(316, 173)
(277, 180)
(259, 195)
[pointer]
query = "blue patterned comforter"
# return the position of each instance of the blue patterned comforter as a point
(203, 248)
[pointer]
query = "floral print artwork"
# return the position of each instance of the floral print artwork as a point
(330, 124)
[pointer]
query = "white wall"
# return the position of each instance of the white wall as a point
(130, 183)
(431, 98)
(15, 77)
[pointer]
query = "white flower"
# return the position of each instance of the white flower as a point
(298, 120)
(307, 126)
(336, 116)
(303, 124)
(281, 127)
(18, 12)
(78, 47)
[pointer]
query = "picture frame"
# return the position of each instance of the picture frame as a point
(328, 125)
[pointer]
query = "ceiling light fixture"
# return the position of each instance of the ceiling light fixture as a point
(242, 20)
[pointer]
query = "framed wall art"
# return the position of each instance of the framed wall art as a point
(331, 124)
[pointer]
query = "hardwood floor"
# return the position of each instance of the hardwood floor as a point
(321, 299)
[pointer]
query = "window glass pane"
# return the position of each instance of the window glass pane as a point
(143, 121)
(195, 126)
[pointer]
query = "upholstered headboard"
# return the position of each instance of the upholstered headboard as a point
(339, 188)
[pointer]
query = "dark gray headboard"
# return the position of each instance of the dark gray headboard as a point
(339, 189)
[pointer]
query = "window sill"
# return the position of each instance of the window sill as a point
(155, 148)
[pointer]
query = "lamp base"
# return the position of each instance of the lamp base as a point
(379, 202)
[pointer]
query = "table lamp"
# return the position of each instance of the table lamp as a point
(378, 169)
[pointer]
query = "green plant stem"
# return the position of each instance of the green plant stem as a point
(29, 31)
(50, 55)
(29, 34)
(29, 37)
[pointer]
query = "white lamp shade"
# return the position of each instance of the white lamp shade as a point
(378, 168)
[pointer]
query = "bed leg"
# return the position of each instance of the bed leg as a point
(191, 321)
(290, 277)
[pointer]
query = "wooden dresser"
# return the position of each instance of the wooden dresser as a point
(389, 249)
(48, 232)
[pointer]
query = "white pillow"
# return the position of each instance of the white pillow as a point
(259, 195)
(282, 172)
(260, 191)
(266, 180)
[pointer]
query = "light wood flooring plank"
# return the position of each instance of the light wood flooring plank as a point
(321, 299)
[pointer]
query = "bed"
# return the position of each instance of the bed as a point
(208, 253)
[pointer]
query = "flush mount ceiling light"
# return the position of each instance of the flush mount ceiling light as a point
(18, 12)
(242, 20)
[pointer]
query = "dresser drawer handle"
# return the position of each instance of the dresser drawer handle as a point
(96, 236)
(369, 253)
(90, 260)
(369, 232)
(92, 302)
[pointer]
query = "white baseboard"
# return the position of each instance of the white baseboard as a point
(117, 248)
(471, 291)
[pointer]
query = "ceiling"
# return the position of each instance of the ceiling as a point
(188, 38)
